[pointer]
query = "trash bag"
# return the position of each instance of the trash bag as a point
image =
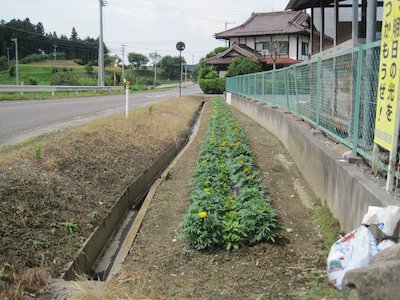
(354, 250)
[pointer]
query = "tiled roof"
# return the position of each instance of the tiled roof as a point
(224, 58)
(283, 22)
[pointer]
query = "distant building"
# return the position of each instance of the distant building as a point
(283, 36)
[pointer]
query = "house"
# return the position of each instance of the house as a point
(276, 37)
(347, 23)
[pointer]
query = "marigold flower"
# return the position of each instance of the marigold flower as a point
(202, 214)
(246, 170)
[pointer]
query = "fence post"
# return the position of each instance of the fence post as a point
(358, 100)
(296, 91)
(255, 86)
(318, 104)
(273, 87)
(263, 86)
(286, 85)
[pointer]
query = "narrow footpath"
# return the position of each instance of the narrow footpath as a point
(160, 265)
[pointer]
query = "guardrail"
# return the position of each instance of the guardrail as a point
(55, 88)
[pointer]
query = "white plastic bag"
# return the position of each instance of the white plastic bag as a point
(388, 218)
(354, 250)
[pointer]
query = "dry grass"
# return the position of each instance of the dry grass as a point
(115, 289)
(74, 177)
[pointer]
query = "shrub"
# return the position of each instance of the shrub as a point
(3, 63)
(64, 78)
(212, 86)
(11, 70)
(31, 81)
(89, 67)
(79, 62)
(243, 65)
(35, 58)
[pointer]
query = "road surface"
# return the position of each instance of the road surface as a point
(22, 120)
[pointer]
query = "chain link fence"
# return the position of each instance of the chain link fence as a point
(336, 93)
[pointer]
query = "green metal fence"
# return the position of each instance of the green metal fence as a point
(337, 93)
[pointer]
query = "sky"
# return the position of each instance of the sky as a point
(144, 26)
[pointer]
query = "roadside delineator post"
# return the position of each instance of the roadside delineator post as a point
(126, 99)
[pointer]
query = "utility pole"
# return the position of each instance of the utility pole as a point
(15, 40)
(8, 56)
(155, 71)
(101, 48)
(185, 72)
(55, 56)
(123, 63)
(226, 28)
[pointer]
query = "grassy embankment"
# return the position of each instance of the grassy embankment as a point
(56, 189)
(43, 73)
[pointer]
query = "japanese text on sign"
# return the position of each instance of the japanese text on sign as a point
(389, 75)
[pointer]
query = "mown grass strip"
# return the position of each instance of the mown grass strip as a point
(228, 206)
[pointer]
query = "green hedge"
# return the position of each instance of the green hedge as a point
(212, 86)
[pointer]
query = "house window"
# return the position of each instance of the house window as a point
(304, 48)
(262, 46)
(284, 48)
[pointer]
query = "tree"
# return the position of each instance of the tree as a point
(170, 65)
(155, 58)
(3, 63)
(243, 65)
(74, 35)
(40, 28)
(216, 51)
(137, 60)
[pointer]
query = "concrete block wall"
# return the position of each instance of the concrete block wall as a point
(345, 188)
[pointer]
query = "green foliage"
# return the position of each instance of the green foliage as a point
(64, 78)
(38, 152)
(37, 245)
(93, 214)
(216, 51)
(31, 81)
(89, 67)
(3, 63)
(137, 60)
(11, 70)
(170, 66)
(243, 65)
(212, 86)
(32, 37)
(35, 58)
(328, 224)
(79, 61)
(227, 206)
(69, 226)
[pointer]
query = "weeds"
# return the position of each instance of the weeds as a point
(150, 107)
(93, 214)
(38, 152)
(69, 226)
(37, 245)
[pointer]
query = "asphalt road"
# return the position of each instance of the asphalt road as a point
(22, 120)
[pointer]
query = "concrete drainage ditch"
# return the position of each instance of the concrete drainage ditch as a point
(105, 250)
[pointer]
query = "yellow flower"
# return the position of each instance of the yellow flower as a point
(241, 161)
(202, 214)
(246, 170)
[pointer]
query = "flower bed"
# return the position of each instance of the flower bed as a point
(228, 206)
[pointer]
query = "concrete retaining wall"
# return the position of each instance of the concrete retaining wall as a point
(347, 191)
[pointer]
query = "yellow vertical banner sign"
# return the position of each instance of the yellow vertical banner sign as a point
(389, 76)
